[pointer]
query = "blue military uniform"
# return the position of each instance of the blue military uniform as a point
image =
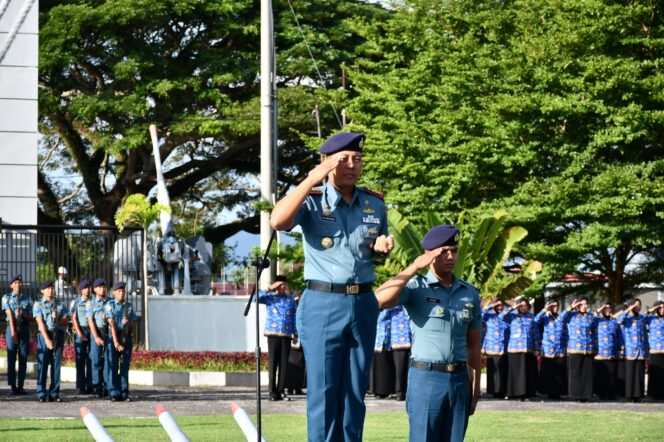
(609, 338)
(279, 329)
(523, 341)
(118, 372)
(438, 396)
(50, 313)
(581, 347)
(336, 318)
(95, 309)
(78, 308)
(21, 309)
(524, 335)
(655, 334)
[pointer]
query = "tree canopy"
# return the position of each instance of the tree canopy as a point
(108, 69)
(549, 108)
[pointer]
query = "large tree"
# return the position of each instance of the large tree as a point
(550, 108)
(108, 69)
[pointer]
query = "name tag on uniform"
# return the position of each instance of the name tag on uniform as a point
(370, 220)
(432, 300)
(328, 218)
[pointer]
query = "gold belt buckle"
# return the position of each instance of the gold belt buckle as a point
(450, 367)
(352, 289)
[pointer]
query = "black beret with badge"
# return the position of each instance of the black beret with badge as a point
(46, 284)
(15, 278)
(441, 235)
(351, 141)
(98, 283)
(119, 286)
(84, 284)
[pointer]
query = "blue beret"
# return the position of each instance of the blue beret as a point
(46, 284)
(119, 286)
(442, 235)
(343, 141)
(17, 277)
(98, 282)
(84, 284)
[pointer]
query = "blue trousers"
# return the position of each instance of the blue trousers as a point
(337, 332)
(20, 350)
(49, 358)
(118, 375)
(83, 360)
(99, 369)
(438, 405)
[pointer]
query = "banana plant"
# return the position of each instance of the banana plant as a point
(484, 247)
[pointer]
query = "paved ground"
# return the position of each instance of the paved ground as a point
(204, 401)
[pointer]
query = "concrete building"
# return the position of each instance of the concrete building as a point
(19, 44)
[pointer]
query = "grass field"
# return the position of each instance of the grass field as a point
(383, 427)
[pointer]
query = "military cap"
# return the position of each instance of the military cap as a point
(119, 285)
(352, 141)
(17, 277)
(46, 284)
(98, 282)
(84, 284)
(441, 235)
(280, 278)
(658, 303)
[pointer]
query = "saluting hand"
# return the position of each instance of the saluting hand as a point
(384, 244)
(319, 173)
(423, 261)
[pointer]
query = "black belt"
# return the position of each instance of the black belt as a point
(435, 366)
(348, 289)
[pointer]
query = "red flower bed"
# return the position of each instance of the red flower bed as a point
(174, 360)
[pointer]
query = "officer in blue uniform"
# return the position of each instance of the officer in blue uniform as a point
(609, 339)
(279, 329)
(494, 346)
(18, 311)
(52, 318)
(655, 322)
(524, 342)
(79, 320)
(120, 315)
(446, 323)
(636, 350)
(581, 348)
(553, 376)
(344, 229)
(96, 316)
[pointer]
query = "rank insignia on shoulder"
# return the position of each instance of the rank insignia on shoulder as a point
(374, 193)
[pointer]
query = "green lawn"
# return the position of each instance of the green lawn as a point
(383, 427)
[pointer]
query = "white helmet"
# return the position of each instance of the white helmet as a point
(62, 270)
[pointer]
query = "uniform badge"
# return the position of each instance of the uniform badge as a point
(328, 218)
(367, 209)
(465, 314)
(326, 242)
(440, 310)
(432, 300)
(327, 212)
(372, 231)
(370, 220)
(469, 305)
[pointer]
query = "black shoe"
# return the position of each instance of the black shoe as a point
(126, 398)
(42, 399)
(55, 399)
(99, 395)
(400, 397)
(116, 398)
(82, 391)
(299, 392)
(14, 391)
(274, 398)
(20, 390)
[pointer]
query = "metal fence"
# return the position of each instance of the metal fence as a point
(43, 252)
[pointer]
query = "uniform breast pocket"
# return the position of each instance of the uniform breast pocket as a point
(462, 319)
(436, 319)
(326, 235)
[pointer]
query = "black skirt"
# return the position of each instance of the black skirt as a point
(296, 375)
(553, 377)
(496, 374)
(620, 378)
(580, 376)
(382, 374)
(522, 374)
(635, 374)
(401, 358)
(656, 376)
(606, 375)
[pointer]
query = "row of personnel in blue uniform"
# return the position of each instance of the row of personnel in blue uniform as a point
(606, 336)
(102, 338)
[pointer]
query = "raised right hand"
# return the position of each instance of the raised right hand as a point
(424, 260)
(320, 172)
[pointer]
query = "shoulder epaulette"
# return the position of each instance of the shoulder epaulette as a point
(316, 191)
(373, 192)
(467, 284)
